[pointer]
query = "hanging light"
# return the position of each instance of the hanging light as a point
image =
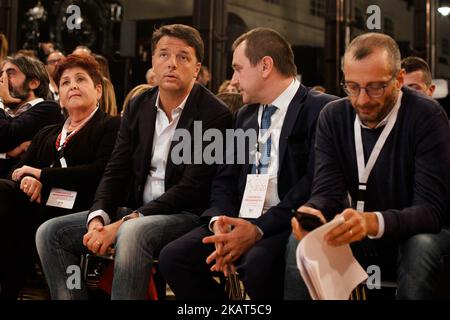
(37, 12)
(444, 7)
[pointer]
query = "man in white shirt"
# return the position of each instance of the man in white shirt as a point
(163, 197)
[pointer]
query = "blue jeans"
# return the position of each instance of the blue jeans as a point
(59, 243)
(294, 286)
(419, 267)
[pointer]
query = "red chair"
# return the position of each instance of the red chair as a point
(106, 278)
(98, 272)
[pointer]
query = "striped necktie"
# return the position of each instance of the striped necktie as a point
(265, 149)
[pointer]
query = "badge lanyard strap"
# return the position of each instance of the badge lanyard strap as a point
(61, 143)
(365, 170)
(64, 138)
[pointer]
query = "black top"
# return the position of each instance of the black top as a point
(409, 183)
(14, 131)
(86, 155)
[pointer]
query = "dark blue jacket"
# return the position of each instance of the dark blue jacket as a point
(295, 169)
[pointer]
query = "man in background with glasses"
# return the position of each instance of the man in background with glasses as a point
(388, 147)
(52, 61)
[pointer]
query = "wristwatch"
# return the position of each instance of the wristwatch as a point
(130, 216)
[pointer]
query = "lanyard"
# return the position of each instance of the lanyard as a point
(61, 143)
(365, 170)
(64, 137)
(266, 134)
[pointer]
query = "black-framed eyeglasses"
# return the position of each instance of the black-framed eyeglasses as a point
(374, 90)
(53, 61)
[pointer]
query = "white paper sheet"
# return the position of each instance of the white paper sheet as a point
(330, 273)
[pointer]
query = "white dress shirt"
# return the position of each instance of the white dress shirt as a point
(162, 139)
(54, 93)
(282, 103)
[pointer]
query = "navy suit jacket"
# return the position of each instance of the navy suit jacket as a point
(296, 163)
(187, 186)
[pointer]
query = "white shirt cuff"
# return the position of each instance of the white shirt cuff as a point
(380, 226)
(260, 231)
(210, 226)
(3, 156)
(97, 213)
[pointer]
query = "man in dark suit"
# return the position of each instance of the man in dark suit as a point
(418, 75)
(250, 233)
(24, 109)
(165, 196)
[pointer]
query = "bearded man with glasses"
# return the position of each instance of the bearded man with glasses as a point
(388, 147)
